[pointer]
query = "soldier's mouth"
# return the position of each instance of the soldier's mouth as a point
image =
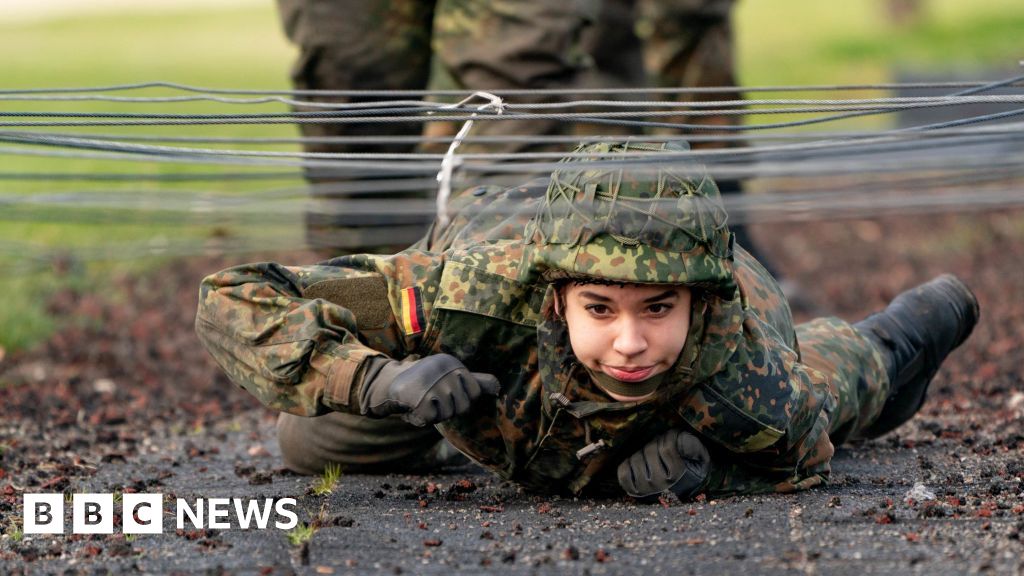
(628, 373)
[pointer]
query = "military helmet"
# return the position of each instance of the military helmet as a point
(656, 217)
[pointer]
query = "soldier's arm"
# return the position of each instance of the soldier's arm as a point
(733, 473)
(799, 457)
(279, 333)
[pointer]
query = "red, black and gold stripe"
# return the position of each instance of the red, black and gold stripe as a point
(412, 311)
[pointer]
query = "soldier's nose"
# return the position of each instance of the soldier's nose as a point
(630, 340)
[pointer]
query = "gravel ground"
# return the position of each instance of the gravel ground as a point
(108, 404)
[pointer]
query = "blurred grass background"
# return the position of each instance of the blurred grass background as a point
(780, 42)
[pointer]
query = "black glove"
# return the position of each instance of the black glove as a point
(425, 391)
(675, 461)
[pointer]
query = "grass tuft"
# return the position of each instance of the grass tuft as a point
(328, 479)
(14, 531)
(301, 534)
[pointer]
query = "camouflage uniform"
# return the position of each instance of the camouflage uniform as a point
(769, 400)
(494, 45)
(670, 44)
(388, 45)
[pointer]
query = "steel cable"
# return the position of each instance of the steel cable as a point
(945, 166)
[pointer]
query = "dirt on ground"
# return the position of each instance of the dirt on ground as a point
(124, 399)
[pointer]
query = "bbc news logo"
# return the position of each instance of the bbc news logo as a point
(144, 513)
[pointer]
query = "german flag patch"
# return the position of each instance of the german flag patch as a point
(412, 311)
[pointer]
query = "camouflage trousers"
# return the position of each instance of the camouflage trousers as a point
(501, 44)
(391, 45)
(670, 44)
(493, 44)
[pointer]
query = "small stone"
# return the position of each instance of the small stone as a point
(919, 493)
(104, 386)
(258, 451)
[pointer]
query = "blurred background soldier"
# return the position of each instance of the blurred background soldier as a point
(387, 45)
(672, 44)
(494, 45)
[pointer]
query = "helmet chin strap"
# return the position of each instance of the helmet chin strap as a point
(629, 389)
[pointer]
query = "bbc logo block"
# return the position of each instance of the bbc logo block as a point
(144, 513)
(93, 513)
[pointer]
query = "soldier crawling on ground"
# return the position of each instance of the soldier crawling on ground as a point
(598, 334)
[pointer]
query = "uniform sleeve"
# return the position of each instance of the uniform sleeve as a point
(767, 416)
(732, 474)
(295, 353)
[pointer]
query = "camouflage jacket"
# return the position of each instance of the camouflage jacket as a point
(480, 290)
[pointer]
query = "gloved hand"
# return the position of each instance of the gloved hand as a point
(675, 461)
(425, 391)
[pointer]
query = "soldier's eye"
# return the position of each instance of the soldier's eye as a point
(659, 309)
(597, 309)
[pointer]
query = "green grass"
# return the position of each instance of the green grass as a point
(22, 314)
(234, 48)
(799, 42)
(301, 534)
(988, 39)
(804, 42)
(779, 42)
(14, 531)
(230, 48)
(328, 480)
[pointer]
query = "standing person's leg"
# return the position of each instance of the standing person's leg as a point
(357, 45)
(690, 44)
(615, 50)
(616, 61)
(503, 44)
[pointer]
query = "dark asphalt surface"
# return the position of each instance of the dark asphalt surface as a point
(464, 521)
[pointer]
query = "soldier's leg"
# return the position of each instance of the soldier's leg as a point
(358, 45)
(854, 366)
(491, 45)
(915, 333)
(360, 444)
(879, 368)
(855, 369)
(616, 61)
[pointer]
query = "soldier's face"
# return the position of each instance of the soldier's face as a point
(629, 332)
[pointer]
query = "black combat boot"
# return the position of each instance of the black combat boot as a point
(915, 333)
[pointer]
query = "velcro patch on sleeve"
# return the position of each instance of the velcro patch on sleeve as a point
(365, 296)
(412, 311)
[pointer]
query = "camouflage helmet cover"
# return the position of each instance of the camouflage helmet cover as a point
(613, 215)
